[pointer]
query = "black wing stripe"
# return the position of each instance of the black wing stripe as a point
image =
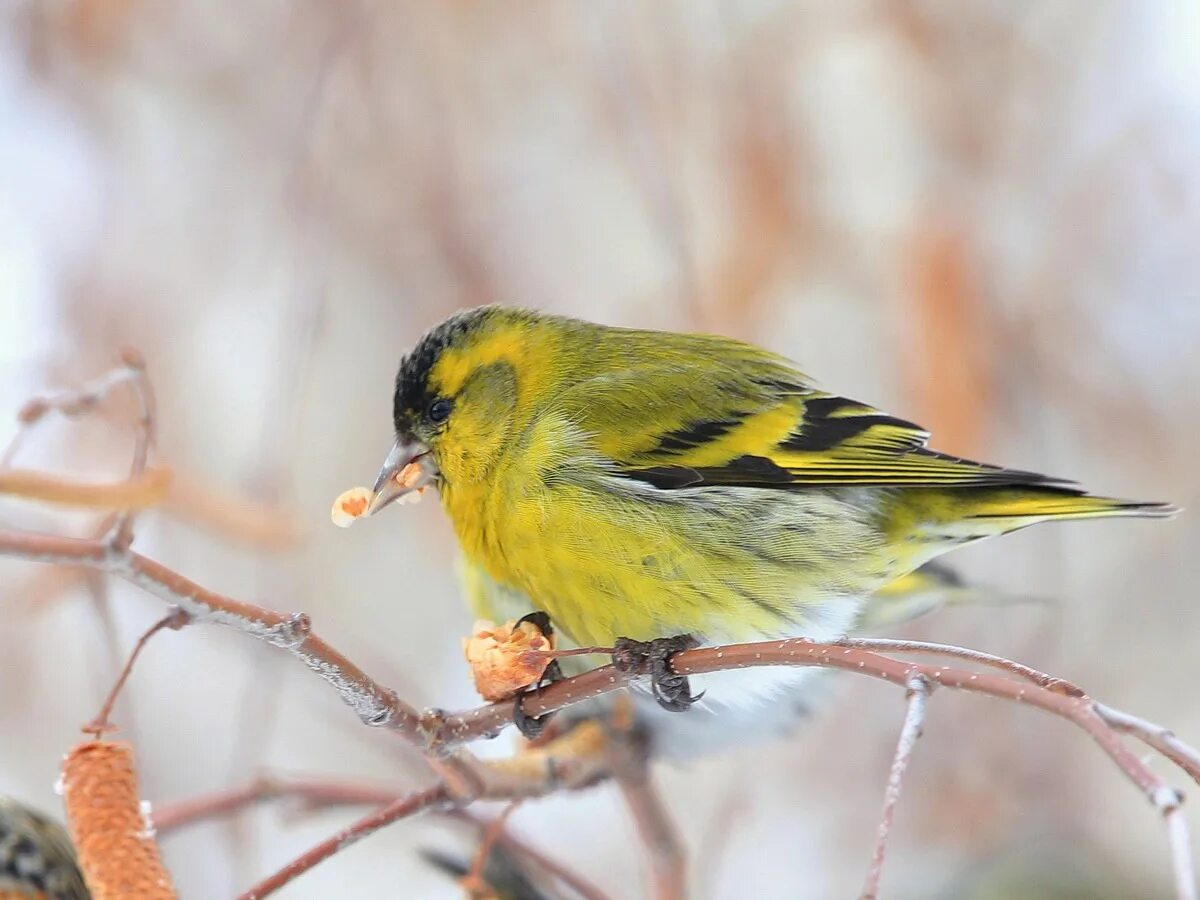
(744, 471)
(694, 435)
(816, 435)
(666, 478)
(823, 407)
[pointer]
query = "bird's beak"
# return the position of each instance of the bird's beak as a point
(397, 479)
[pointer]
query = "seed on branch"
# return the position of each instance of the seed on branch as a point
(506, 658)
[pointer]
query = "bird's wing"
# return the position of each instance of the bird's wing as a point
(753, 421)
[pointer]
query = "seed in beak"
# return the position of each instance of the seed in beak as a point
(350, 505)
(409, 475)
(353, 504)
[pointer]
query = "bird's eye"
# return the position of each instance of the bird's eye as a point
(439, 410)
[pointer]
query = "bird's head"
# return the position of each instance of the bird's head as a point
(459, 396)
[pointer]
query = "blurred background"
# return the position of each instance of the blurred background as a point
(979, 215)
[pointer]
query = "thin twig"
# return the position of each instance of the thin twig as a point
(231, 516)
(886, 645)
(398, 809)
(1161, 739)
(1181, 850)
(121, 535)
(515, 845)
(631, 770)
(146, 489)
(668, 861)
(174, 620)
(375, 704)
(474, 882)
(321, 793)
(142, 488)
(70, 403)
(317, 793)
(914, 718)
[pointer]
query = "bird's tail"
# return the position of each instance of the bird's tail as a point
(1029, 505)
(953, 518)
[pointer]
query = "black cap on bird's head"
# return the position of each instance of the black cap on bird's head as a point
(414, 395)
(419, 410)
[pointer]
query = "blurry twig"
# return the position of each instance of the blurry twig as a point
(317, 793)
(948, 328)
(145, 436)
(142, 488)
(70, 403)
(1181, 848)
(397, 809)
(145, 489)
(174, 620)
(668, 860)
(914, 718)
(474, 882)
(232, 516)
(505, 838)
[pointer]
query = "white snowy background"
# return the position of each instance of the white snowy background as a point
(980, 215)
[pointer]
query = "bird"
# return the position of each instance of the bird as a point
(653, 491)
(37, 858)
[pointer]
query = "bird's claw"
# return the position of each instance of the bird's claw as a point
(672, 690)
(532, 726)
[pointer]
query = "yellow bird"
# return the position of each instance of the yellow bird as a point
(645, 485)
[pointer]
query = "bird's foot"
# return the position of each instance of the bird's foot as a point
(653, 658)
(532, 726)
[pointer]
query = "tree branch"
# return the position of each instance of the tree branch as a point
(320, 793)
(581, 756)
(436, 732)
(668, 860)
(1161, 739)
(474, 882)
(369, 824)
(121, 535)
(1181, 850)
(145, 489)
(71, 403)
(375, 704)
(315, 792)
(885, 645)
(914, 719)
(551, 867)
(175, 619)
